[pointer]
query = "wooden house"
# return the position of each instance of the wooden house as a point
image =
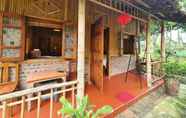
(81, 38)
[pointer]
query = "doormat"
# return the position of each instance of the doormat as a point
(125, 97)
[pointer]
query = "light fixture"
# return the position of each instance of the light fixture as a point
(57, 30)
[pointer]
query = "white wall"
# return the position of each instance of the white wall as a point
(119, 64)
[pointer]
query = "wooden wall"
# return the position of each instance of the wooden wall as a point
(93, 12)
(110, 20)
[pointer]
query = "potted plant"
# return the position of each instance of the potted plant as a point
(174, 74)
(82, 110)
(172, 84)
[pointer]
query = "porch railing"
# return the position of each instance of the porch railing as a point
(20, 98)
(121, 6)
(157, 70)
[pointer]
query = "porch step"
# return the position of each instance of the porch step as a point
(145, 105)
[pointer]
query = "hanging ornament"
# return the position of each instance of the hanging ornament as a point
(124, 19)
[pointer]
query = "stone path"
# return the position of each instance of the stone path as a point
(144, 105)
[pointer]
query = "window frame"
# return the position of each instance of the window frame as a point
(22, 43)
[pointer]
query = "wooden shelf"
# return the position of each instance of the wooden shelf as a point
(11, 26)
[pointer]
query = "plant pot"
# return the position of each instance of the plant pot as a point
(172, 87)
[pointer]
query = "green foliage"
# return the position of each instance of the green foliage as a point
(182, 5)
(175, 68)
(83, 110)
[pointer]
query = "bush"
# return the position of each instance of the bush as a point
(175, 68)
(83, 110)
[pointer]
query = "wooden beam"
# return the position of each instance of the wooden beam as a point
(81, 48)
(66, 10)
(162, 41)
(4, 109)
(148, 53)
(54, 12)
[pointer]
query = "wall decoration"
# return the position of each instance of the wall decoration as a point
(11, 37)
(69, 42)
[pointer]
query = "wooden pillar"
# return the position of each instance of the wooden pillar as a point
(148, 53)
(162, 42)
(81, 48)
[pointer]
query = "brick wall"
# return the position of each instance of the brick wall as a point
(42, 65)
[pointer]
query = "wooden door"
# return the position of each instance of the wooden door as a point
(97, 40)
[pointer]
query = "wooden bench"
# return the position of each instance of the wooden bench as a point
(47, 76)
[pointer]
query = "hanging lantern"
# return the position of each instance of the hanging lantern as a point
(124, 19)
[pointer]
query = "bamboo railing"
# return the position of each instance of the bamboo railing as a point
(121, 6)
(21, 98)
(157, 70)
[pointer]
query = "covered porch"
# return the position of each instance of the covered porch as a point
(121, 97)
(97, 56)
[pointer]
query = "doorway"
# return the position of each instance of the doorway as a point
(99, 66)
(106, 51)
(97, 53)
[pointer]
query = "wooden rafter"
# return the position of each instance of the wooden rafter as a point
(50, 1)
(54, 12)
(40, 9)
(66, 10)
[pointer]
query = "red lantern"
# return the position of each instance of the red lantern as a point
(124, 19)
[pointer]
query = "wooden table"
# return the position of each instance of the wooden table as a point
(39, 77)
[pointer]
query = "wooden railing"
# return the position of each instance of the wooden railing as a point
(157, 70)
(121, 6)
(20, 97)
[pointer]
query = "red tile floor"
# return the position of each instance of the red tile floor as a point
(114, 94)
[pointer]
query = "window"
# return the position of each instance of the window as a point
(11, 37)
(128, 45)
(45, 42)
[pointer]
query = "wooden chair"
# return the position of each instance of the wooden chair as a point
(6, 84)
(140, 71)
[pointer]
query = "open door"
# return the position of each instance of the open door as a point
(97, 40)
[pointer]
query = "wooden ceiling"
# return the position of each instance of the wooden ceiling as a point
(38, 8)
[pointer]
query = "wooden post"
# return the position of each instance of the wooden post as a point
(148, 51)
(39, 105)
(162, 42)
(23, 107)
(4, 113)
(81, 49)
(51, 102)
